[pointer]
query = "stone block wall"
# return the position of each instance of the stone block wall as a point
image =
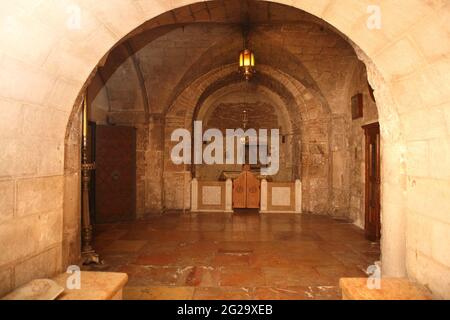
(313, 117)
(356, 145)
(45, 65)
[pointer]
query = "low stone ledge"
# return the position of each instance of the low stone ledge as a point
(94, 286)
(390, 289)
(38, 289)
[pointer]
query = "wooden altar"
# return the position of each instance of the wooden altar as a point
(246, 190)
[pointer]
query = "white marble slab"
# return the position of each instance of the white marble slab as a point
(281, 196)
(211, 195)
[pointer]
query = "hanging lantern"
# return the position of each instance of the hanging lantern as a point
(247, 63)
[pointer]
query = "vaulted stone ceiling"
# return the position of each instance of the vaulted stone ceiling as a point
(156, 62)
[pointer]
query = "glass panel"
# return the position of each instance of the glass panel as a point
(246, 59)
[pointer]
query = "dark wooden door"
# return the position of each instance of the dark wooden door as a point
(115, 174)
(373, 182)
(246, 190)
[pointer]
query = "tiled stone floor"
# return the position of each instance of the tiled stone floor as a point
(240, 256)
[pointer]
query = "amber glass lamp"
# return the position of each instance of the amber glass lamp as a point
(247, 63)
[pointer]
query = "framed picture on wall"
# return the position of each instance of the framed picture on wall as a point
(357, 106)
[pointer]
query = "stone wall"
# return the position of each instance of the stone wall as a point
(356, 146)
(45, 64)
(225, 111)
(314, 56)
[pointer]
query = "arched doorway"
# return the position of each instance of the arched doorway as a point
(54, 81)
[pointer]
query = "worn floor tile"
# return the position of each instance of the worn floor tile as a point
(240, 256)
(158, 293)
(297, 293)
(223, 293)
(157, 259)
(125, 246)
(238, 276)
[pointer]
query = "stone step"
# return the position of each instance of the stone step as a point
(38, 289)
(93, 286)
(389, 289)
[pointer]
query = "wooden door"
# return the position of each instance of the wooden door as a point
(239, 191)
(246, 190)
(373, 182)
(115, 174)
(253, 191)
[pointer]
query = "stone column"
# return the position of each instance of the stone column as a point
(298, 196)
(194, 195)
(393, 213)
(229, 195)
(393, 175)
(263, 196)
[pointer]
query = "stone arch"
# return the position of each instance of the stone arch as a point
(256, 96)
(409, 72)
(193, 94)
(207, 107)
(305, 104)
(211, 60)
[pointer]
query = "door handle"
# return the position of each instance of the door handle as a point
(115, 175)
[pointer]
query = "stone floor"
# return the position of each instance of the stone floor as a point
(240, 256)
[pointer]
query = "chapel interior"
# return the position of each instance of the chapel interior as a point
(319, 228)
(171, 72)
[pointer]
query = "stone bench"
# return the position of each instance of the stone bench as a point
(94, 286)
(390, 289)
